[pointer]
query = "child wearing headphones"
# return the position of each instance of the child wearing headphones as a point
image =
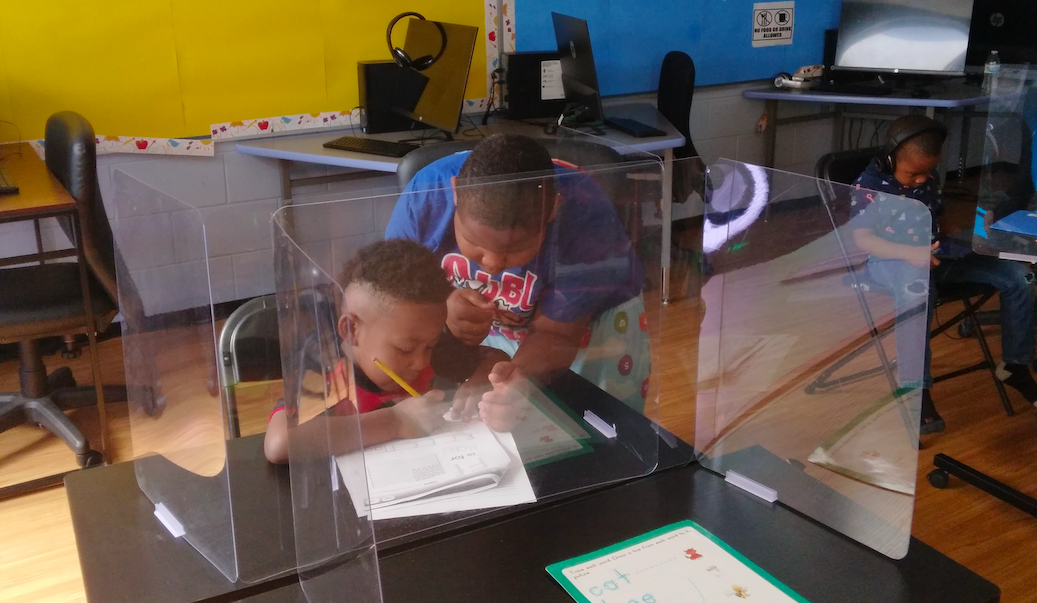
(906, 168)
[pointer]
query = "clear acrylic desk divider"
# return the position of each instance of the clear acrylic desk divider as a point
(214, 490)
(552, 451)
(1007, 183)
(799, 385)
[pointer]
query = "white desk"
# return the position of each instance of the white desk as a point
(308, 148)
(943, 97)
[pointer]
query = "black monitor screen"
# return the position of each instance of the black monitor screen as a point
(435, 96)
(904, 36)
(579, 78)
(1007, 26)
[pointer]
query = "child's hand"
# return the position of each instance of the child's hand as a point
(502, 408)
(923, 257)
(469, 315)
(466, 400)
(418, 417)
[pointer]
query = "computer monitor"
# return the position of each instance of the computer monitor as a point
(1006, 26)
(904, 36)
(579, 78)
(435, 96)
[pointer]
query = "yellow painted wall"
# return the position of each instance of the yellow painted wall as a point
(170, 68)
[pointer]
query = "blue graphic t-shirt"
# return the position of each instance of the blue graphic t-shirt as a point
(890, 215)
(585, 265)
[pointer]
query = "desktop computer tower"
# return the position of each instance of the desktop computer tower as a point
(377, 87)
(523, 86)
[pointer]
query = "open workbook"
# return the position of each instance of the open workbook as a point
(463, 466)
(462, 457)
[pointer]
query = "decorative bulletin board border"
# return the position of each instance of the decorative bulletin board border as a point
(494, 33)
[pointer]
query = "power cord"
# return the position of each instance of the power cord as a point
(495, 81)
(18, 138)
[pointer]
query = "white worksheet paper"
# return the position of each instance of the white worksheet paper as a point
(514, 487)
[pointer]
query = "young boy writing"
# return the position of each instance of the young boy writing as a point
(542, 265)
(394, 310)
(906, 169)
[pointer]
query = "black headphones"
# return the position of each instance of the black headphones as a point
(400, 56)
(886, 156)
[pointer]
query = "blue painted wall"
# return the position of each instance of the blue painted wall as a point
(631, 37)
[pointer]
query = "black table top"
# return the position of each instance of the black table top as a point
(127, 555)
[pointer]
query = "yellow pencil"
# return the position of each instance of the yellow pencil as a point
(399, 381)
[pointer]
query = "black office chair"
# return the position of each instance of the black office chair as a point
(419, 158)
(46, 300)
(581, 153)
(844, 167)
(676, 90)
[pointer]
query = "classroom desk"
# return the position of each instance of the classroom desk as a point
(503, 558)
(308, 148)
(40, 196)
(944, 96)
(127, 556)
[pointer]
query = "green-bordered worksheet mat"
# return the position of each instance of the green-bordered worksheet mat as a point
(681, 562)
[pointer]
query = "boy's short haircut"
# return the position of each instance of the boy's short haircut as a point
(508, 204)
(398, 270)
(928, 143)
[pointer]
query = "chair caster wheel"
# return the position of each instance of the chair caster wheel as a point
(61, 378)
(810, 389)
(71, 354)
(965, 328)
(938, 478)
(92, 458)
(796, 463)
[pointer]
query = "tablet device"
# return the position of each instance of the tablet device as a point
(633, 127)
(951, 249)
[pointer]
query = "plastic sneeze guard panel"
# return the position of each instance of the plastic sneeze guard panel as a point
(345, 300)
(1005, 223)
(809, 363)
(179, 418)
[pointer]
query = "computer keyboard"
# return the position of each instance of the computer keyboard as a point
(7, 185)
(371, 145)
(858, 89)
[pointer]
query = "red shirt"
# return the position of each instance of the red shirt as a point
(368, 395)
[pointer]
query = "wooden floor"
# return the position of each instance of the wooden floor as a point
(39, 563)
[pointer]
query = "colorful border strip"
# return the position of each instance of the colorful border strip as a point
(107, 145)
(285, 123)
(304, 121)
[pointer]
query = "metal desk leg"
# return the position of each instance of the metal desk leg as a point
(91, 335)
(838, 126)
(286, 181)
(770, 141)
(963, 143)
(667, 210)
(286, 194)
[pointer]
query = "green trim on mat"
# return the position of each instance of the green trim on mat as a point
(585, 447)
(555, 569)
(874, 408)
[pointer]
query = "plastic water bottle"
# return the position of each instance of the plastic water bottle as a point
(991, 69)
